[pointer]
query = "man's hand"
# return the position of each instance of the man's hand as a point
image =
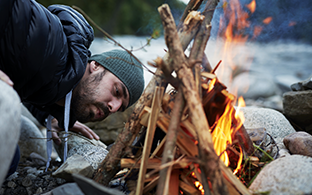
(5, 78)
(78, 128)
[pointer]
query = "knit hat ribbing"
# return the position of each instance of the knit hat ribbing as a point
(126, 68)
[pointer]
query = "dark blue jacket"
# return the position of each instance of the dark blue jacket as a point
(44, 52)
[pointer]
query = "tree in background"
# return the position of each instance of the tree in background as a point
(135, 17)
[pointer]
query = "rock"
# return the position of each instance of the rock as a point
(303, 85)
(10, 112)
(31, 139)
(13, 176)
(298, 107)
(252, 85)
(109, 128)
(27, 181)
(32, 170)
(37, 159)
(11, 184)
(259, 137)
(90, 187)
(25, 112)
(39, 190)
(285, 81)
(285, 176)
(274, 123)
(74, 164)
(299, 143)
(92, 150)
(67, 189)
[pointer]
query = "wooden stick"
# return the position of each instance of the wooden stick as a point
(174, 183)
(168, 154)
(153, 163)
(189, 189)
(184, 142)
(160, 148)
(191, 6)
(150, 185)
(156, 105)
(210, 161)
(233, 179)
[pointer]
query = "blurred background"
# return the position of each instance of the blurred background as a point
(290, 19)
(272, 38)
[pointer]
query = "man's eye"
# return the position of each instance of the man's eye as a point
(117, 92)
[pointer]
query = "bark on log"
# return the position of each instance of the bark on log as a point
(209, 159)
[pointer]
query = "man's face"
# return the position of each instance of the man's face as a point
(99, 95)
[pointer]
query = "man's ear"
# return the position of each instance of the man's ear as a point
(94, 66)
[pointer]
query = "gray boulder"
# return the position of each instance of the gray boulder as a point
(274, 123)
(285, 176)
(74, 164)
(90, 152)
(26, 113)
(31, 139)
(10, 112)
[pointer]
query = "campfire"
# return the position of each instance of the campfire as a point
(205, 142)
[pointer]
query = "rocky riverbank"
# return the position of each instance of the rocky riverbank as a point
(283, 115)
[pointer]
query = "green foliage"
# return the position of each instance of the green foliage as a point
(136, 17)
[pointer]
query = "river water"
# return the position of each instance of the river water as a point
(290, 61)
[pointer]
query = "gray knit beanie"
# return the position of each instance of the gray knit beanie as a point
(126, 68)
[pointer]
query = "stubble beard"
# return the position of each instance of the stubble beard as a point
(83, 97)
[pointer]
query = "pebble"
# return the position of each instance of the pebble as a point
(39, 190)
(31, 179)
(27, 182)
(13, 176)
(11, 184)
(32, 170)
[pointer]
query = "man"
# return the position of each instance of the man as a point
(44, 55)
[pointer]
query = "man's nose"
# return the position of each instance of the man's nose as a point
(114, 104)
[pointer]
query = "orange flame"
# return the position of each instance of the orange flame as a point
(267, 20)
(252, 6)
(222, 134)
(200, 187)
(211, 84)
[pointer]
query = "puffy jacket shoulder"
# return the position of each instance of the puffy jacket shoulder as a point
(74, 24)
